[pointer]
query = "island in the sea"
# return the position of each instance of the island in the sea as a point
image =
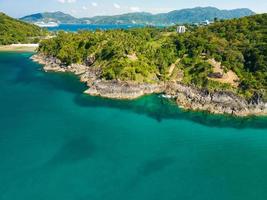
(220, 68)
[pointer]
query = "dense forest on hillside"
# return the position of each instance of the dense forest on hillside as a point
(15, 31)
(146, 54)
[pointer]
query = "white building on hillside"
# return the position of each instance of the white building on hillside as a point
(205, 23)
(181, 29)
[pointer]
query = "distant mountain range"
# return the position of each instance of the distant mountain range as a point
(46, 17)
(192, 15)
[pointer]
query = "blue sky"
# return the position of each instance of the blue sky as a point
(88, 8)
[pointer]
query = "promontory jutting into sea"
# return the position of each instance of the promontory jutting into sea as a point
(138, 103)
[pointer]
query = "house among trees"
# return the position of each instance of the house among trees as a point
(205, 23)
(181, 29)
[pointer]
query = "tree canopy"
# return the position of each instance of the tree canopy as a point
(15, 31)
(239, 44)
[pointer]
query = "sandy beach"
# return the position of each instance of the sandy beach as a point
(19, 47)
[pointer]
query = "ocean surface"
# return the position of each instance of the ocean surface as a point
(57, 143)
(91, 27)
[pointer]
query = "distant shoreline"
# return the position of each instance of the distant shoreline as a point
(19, 48)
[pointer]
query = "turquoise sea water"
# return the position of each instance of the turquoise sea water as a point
(57, 143)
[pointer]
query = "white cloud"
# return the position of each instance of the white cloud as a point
(84, 8)
(116, 6)
(67, 1)
(94, 4)
(135, 9)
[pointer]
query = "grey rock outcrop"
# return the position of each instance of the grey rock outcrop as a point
(219, 102)
(123, 90)
(186, 96)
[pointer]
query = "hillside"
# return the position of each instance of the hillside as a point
(192, 15)
(200, 14)
(128, 18)
(15, 31)
(58, 17)
(150, 55)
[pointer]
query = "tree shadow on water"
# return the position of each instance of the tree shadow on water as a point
(34, 74)
(152, 106)
(158, 108)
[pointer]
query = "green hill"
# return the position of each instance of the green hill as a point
(146, 54)
(200, 14)
(15, 31)
(192, 15)
(58, 17)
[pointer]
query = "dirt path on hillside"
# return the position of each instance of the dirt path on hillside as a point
(173, 66)
(230, 77)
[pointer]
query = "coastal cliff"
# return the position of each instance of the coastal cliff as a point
(186, 96)
(219, 102)
(99, 87)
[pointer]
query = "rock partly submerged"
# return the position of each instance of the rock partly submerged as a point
(188, 97)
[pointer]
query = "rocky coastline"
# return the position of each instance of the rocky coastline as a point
(187, 97)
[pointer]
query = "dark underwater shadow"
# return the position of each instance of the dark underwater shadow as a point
(74, 150)
(156, 165)
(150, 167)
(152, 106)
